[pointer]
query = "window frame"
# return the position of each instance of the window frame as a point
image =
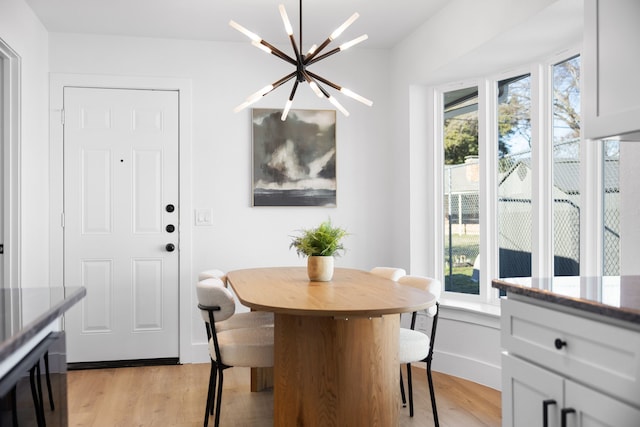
(591, 246)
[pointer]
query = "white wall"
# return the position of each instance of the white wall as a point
(23, 32)
(222, 76)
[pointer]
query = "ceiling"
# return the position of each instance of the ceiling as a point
(385, 21)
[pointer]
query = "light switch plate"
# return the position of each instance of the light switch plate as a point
(204, 217)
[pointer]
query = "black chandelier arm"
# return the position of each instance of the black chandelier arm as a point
(293, 90)
(295, 49)
(317, 51)
(282, 81)
(277, 52)
(323, 80)
(321, 57)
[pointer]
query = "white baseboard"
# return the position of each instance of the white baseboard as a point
(470, 369)
(199, 354)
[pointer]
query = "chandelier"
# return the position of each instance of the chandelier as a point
(301, 62)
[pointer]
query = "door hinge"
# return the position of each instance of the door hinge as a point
(62, 219)
(1, 248)
(62, 117)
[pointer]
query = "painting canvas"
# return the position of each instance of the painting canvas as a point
(294, 162)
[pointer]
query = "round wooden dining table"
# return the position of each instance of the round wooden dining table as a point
(335, 343)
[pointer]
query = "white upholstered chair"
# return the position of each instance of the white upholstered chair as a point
(389, 272)
(249, 319)
(247, 347)
(213, 274)
(416, 346)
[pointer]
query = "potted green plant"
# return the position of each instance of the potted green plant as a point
(320, 245)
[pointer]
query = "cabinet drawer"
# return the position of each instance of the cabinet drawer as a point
(600, 355)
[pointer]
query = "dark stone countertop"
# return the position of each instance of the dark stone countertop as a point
(616, 297)
(27, 311)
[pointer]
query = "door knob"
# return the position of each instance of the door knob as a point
(170, 247)
(170, 208)
(170, 228)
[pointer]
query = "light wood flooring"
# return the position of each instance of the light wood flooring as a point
(175, 396)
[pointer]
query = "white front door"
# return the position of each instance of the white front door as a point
(121, 223)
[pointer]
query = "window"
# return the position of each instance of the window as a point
(514, 177)
(566, 167)
(461, 190)
(508, 173)
(611, 214)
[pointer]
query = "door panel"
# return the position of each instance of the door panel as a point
(525, 387)
(97, 278)
(594, 409)
(120, 171)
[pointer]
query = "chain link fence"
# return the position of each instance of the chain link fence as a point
(515, 218)
(611, 178)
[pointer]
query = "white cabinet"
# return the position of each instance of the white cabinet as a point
(534, 396)
(611, 60)
(557, 365)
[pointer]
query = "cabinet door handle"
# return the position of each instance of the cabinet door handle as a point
(564, 412)
(559, 343)
(545, 411)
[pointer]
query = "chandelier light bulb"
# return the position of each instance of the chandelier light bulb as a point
(243, 30)
(287, 107)
(344, 26)
(314, 86)
(242, 106)
(261, 47)
(259, 94)
(347, 45)
(338, 106)
(355, 96)
(285, 18)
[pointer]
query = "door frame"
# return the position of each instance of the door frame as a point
(57, 83)
(10, 141)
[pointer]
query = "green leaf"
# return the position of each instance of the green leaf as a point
(324, 240)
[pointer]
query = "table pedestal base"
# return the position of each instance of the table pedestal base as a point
(336, 372)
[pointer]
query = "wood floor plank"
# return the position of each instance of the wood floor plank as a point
(175, 396)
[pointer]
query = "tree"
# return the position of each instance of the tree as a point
(460, 138)
(566, 99)
(514, 114)
(514, 120)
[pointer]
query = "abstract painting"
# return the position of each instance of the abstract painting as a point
(294, 162)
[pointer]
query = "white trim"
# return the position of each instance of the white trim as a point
(468, 311)
(542, 165)
(420, 250)
(468, 368)
(476, 358)
(591, 218)
(488, 188)
(11, 168)
(185, 226)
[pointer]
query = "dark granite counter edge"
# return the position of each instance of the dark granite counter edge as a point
(627, 315)
(32, 329)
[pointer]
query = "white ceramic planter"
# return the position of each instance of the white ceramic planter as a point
(320, 268)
